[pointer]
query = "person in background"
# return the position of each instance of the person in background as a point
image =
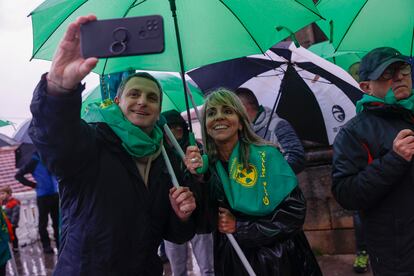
(47, 198)
(11, 208)
(117, 198)
(251, 193)
(280, 132)
(372, 169)
(202, 244)
(353, 70)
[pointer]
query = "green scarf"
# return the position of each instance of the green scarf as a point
(407, 103)
(135, 141)
(4, 239)
(259, 189)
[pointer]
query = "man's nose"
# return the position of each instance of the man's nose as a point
(141, 100)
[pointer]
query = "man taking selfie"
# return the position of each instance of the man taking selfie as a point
(117, 200)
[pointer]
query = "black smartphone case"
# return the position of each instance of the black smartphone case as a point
(122, 37)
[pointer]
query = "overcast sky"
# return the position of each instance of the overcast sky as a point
(19, 76)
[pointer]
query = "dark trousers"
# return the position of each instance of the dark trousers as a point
(359, 232)
(48, 205)
(3, 269)
(15, 241)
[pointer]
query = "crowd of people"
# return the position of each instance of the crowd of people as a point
(113, 173)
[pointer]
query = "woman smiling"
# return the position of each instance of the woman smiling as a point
(252, 194)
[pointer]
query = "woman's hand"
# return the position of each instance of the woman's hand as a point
(226, 221)
(192, 159)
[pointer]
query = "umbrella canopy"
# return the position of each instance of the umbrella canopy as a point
(210, 30)
(26, 148)
(6, 141)
(367, 24)
(342, 59)
(314, 95)
(173, 97)
(5, 123)
(21, 135)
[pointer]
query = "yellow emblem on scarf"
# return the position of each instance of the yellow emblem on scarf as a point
(247, 177)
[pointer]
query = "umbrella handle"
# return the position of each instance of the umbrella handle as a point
(180, 152)
(203, 169)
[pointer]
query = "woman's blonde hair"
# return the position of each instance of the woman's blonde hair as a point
(247, 136)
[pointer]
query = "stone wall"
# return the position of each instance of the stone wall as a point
(328, 226)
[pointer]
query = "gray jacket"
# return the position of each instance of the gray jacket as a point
(282, 134)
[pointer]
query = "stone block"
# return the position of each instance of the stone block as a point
(316, 182)
(317, 215)
(339, 241)
(341, 218)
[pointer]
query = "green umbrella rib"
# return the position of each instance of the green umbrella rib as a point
(56, 28)
(350, 25)
(241, 23)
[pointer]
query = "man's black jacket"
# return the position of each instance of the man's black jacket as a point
(112, 224)
(369, 176)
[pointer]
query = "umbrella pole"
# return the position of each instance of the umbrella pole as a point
(169, 167)
(181, 59)
(282, 85)
(186, 90)
(190, 94)
(241, 255)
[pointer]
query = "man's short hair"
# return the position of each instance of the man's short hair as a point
(143, 75)
(376, 61)
(248, 95)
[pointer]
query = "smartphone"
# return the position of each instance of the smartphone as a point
(122, 37)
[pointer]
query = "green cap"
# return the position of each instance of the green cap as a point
(376, 61)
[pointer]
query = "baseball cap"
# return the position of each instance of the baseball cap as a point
(376, 61)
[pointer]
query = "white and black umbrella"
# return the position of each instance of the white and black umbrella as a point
(26, 148)
(314, 95)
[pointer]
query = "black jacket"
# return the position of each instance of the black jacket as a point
(369, 176)
(274, 245)
(112, 223)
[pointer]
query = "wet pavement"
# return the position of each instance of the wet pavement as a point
(30, 260)
(331, 265)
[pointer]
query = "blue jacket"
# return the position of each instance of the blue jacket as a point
(46, 183)
(112, 223)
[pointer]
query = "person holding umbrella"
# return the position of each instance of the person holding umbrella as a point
(117, 203)
(372, 169)
(250, 192)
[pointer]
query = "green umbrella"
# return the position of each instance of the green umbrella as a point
(342, 59)
(173, 97)
(363, 25)
(5, 123)
(210, 30)
(197, 32)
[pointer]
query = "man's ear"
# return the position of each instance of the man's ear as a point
(116, 100)
(365, 87)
